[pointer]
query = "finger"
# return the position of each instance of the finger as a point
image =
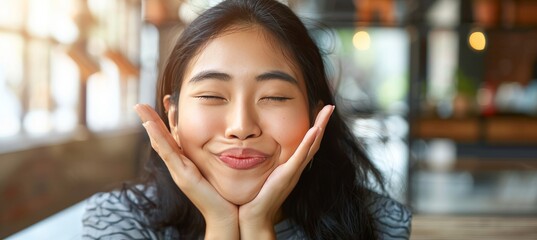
(321, 121)
(163, 143)
(171, 153)
(303, 152)
(183, 171)
(283, 179)
(323, 116)
(292, 169)
(146, 113)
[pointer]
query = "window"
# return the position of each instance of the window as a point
(11, 74)
(67, 65)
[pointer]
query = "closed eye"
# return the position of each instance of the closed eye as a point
(209, 97)
(276, 99)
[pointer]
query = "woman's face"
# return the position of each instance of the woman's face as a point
(242, 111)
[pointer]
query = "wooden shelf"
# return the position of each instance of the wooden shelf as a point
(511, 130)
(499, 129)
(464, 130)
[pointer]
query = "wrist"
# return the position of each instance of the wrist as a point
(254, 225)
(254, 231)
(222, 229)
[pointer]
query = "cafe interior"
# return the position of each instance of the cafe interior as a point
(442, 93)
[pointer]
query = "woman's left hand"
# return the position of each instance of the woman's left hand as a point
(257, 217)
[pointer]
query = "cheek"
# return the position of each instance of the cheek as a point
(195, 127)
(288, 129)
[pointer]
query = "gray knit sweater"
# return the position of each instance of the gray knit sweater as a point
(109, 216)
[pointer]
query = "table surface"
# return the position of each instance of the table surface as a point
(474, 227)
(64, 225)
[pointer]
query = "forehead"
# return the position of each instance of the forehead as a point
(242, 47)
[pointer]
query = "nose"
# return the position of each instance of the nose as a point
(242, 122)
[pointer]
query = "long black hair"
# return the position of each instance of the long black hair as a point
(330, 199)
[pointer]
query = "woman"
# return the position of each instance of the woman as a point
(243, 105)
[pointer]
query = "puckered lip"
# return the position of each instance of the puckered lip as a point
(242, 158)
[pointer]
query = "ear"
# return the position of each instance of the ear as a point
(171, 111)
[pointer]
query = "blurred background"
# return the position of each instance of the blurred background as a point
(443, 94)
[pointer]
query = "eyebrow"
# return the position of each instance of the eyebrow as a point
(278, 75)
(271, 75)
(204, 75)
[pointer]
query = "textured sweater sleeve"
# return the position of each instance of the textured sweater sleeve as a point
(109, 216)
(392, 219)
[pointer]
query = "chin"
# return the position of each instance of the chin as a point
(240, 195)
(239, 200)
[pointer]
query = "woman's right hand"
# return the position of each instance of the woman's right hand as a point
(221, 216)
